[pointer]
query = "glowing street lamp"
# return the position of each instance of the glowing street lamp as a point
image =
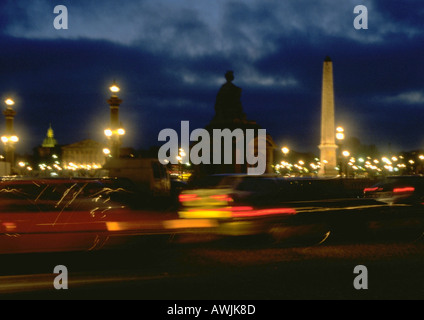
(9, 138)
(108, 133)
(115, 131)
(114, 88)
(285, 151)
(9, 102)
(346, 154)
(339, 141)
(6, 139)
(340, 133)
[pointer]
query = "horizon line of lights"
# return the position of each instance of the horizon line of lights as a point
(70, 166)
(371, 163)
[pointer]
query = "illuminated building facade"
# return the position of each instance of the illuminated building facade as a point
(87, 154)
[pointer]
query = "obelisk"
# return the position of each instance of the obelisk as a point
(328, 145)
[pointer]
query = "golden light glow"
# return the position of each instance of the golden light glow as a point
(109, 132)
(339, 135)
(208, 213)
(114, 88)
(106, 151)
(6, 139)
(285, 150)
(113, 226)
(190, 223)
(9, 102)
(339, 129)
(346, 153)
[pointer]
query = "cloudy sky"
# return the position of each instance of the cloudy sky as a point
(170, 56)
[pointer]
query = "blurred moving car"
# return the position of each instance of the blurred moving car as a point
(60, 214)
(302, 207)
(405, 197)
(397, 190)
(248, 205)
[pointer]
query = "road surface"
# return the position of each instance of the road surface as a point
(228, 269)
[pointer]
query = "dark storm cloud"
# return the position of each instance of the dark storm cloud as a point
(407, 13)
(169, 57)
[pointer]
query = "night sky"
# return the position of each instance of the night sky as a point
(169, 57)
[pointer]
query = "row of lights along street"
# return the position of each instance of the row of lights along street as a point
(349, 164)
(113, 134)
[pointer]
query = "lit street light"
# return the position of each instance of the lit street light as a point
(346, 154)
(114, 88)
(339, 141)
(340, 133)
(180, 157)
(115, 131)
(9, 102)
(9, 138)
(284, 164)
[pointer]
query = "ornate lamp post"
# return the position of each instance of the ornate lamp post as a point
(346, 154)
(339, 141)
(114, 132)
(285, 150)
(9, 138)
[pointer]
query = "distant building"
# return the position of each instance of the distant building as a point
(49, 151)
(86, 154)
(49, 141)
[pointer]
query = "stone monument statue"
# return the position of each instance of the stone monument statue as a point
(228, 105)
(328, 145)
(229, 114)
